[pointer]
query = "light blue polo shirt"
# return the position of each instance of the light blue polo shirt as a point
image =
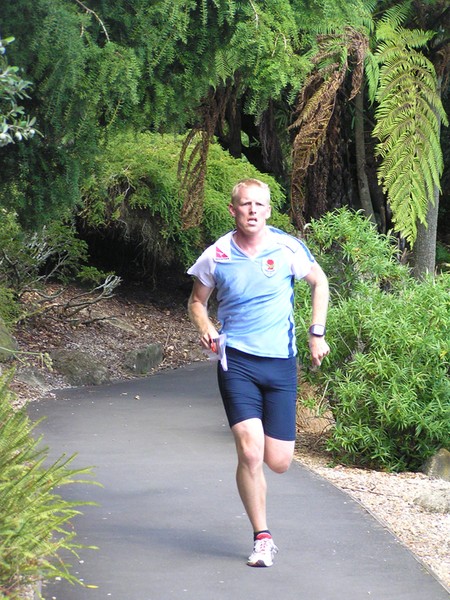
(256, 294)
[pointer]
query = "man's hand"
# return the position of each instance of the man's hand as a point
(319, 349)
(207, 340)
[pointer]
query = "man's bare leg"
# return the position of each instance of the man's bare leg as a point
(253, 449)
(251, 482)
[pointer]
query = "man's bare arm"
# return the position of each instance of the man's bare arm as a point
(198, 313)
(318, 283)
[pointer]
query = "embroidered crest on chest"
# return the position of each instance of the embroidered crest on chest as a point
(269, 267)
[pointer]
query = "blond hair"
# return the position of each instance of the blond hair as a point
(244, 183)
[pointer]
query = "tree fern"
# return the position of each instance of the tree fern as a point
(407, 126)
(316, 104)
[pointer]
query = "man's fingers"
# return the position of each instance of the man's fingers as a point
(205, 341)
(317, 356)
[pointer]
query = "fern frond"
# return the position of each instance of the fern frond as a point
(413, 77)
(407, 126)
(394, 17)
(372, 72)
(331, 17)
(225, 67)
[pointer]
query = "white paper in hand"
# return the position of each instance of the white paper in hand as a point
(217, 352)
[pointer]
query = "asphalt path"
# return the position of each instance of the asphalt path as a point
(169, 524)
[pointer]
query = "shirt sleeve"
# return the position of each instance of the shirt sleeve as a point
(302, 261)
(203, 269)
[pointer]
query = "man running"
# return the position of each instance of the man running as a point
(253, 269)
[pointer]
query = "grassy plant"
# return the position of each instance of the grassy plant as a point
(35, 522)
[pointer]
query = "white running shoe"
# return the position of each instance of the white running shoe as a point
(263, 551)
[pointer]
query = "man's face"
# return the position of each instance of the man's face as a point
(252, 210)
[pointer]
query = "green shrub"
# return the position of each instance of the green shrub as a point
(16, 124)
(389, 381)
(351, 252)
(29, 259)
(386, 379)
(35, 522)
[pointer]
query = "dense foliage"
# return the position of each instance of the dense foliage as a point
(391, 393)
(35, 522)
(81, 89)
(387, 379)
(233, 70)
(136, 196)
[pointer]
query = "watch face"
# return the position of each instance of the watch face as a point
(318, 330)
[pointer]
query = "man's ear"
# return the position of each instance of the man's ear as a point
(231, 210)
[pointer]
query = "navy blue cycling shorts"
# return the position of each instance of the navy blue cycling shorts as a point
(261, 388)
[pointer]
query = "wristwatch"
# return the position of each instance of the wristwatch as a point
(317, 330)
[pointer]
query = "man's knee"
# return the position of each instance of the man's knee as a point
(250, 455)
(250, 448)
(278, 454)
(278, 464)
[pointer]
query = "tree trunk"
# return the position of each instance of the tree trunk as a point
(329, 184)
(233, 113)
(363, 183)
(424, 249)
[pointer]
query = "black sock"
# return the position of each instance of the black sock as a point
(256, 533)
